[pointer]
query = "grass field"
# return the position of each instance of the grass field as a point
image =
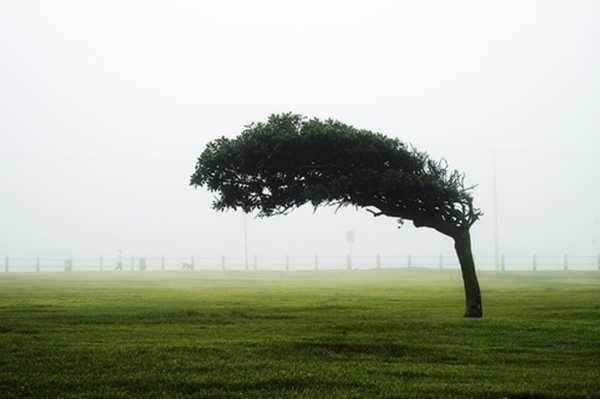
(388, 334)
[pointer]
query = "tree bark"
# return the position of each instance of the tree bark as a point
(462, 244)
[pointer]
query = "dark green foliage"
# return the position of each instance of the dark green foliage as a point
(288, 161)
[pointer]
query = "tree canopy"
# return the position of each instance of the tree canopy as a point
(275, 166)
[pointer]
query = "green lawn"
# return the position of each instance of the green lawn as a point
(388, 334)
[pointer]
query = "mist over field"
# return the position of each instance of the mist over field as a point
(105, 106)
(117, 117)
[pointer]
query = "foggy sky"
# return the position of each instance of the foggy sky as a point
(105, 106)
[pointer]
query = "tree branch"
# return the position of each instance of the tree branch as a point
(375, 213)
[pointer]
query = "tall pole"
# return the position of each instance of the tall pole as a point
(595, 241)
(350, 238)
(246, 240)
(495, 208)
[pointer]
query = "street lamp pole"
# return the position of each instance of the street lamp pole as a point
(495, 208)
(246, 240)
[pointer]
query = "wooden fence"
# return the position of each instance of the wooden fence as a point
(286, 262)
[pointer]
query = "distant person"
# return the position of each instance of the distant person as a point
(119, 267)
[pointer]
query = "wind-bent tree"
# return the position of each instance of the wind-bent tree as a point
(288, 161)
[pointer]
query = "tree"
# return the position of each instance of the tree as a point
(275, 166)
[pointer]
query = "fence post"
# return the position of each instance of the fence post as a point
(316, 262)
(348, 262)
(441, 261)
(223, 263)
(378, 264)
(254, 263)
(534, 262)
(565, 262)
(502, 263)
(37, 264)
(6, 264)
(162, 263)
(101, 263)
(287, 263)
(409, 261)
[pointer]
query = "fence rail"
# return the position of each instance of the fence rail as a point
(286, 262)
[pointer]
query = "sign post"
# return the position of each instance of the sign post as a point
(350, 239)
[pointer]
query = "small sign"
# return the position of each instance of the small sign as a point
(350, 237)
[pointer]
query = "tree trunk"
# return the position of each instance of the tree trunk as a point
(462, 244)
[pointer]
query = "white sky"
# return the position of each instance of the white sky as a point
(105, 106)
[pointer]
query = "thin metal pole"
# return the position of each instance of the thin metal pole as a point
(566, 262)
(495, 210)
(287, 263)
(223, 263)
(101, 263)
(378, 260)
(246, 241)
(6, 262)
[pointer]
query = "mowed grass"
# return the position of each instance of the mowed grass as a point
(385, 334)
